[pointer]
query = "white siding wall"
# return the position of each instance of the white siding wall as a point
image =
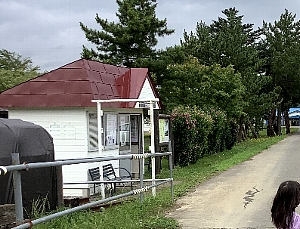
(69, 130)
(68, 127)
(146, 92)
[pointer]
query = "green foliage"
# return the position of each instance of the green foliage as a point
(191, 127)
(131, 39)
(129, 214)
(281, 48)
(158, 64)
(9, 79)
(227, 41)
(230, 134)
(198, 132)
(14, 69)
(193, 84)
(39, 207)
(15, 62)
(216, 137)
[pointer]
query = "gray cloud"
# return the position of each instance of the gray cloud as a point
(48, 31)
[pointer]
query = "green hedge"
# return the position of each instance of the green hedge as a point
(197, 132)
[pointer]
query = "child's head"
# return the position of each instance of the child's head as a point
(286, 200)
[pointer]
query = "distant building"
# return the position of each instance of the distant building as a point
(294, 118)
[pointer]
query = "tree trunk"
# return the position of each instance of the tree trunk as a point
(244, 132)
(287, 122)
(240, 132)
(271, 122)
(254, 134)
(279, 120)
(246, 128)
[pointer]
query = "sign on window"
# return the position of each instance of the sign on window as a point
(111, 130)
(163, 130)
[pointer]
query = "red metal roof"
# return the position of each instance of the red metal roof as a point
(76, 84)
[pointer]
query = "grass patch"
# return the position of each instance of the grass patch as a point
(151, 214)
(147, 141)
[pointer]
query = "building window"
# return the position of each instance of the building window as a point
(124, 128)
(118, 131)
(93, 131)
(110, 126)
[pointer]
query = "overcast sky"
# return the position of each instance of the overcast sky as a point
(48, 31)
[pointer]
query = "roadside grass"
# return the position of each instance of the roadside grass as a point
(152, 213)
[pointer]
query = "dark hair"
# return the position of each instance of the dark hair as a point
(285, 201)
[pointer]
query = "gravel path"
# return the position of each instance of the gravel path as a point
(241, 197)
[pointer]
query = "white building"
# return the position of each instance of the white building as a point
(61, 102)
(294, 117)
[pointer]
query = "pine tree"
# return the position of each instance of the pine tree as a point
(227, 41)
(282, 50)
(131, 39)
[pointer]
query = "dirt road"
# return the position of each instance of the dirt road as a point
(242, 196)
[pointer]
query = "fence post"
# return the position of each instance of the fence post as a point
(17, 189)
(171, 176)
(141, 161)
(59, 183)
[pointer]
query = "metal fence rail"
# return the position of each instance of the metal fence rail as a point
(86, 206)
(16, 169)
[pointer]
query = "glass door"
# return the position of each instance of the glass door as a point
(130, 140)
(124, 130)
(136, 141)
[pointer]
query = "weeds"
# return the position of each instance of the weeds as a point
(39, 207)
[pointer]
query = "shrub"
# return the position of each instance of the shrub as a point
(197, 132)
(230, 134)
(191, 127)
(216, 138)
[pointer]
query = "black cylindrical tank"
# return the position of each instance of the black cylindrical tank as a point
(34, 144)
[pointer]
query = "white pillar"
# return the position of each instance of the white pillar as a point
(100, 146)
(152, 149)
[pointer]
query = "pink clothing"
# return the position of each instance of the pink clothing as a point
(295, 221)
